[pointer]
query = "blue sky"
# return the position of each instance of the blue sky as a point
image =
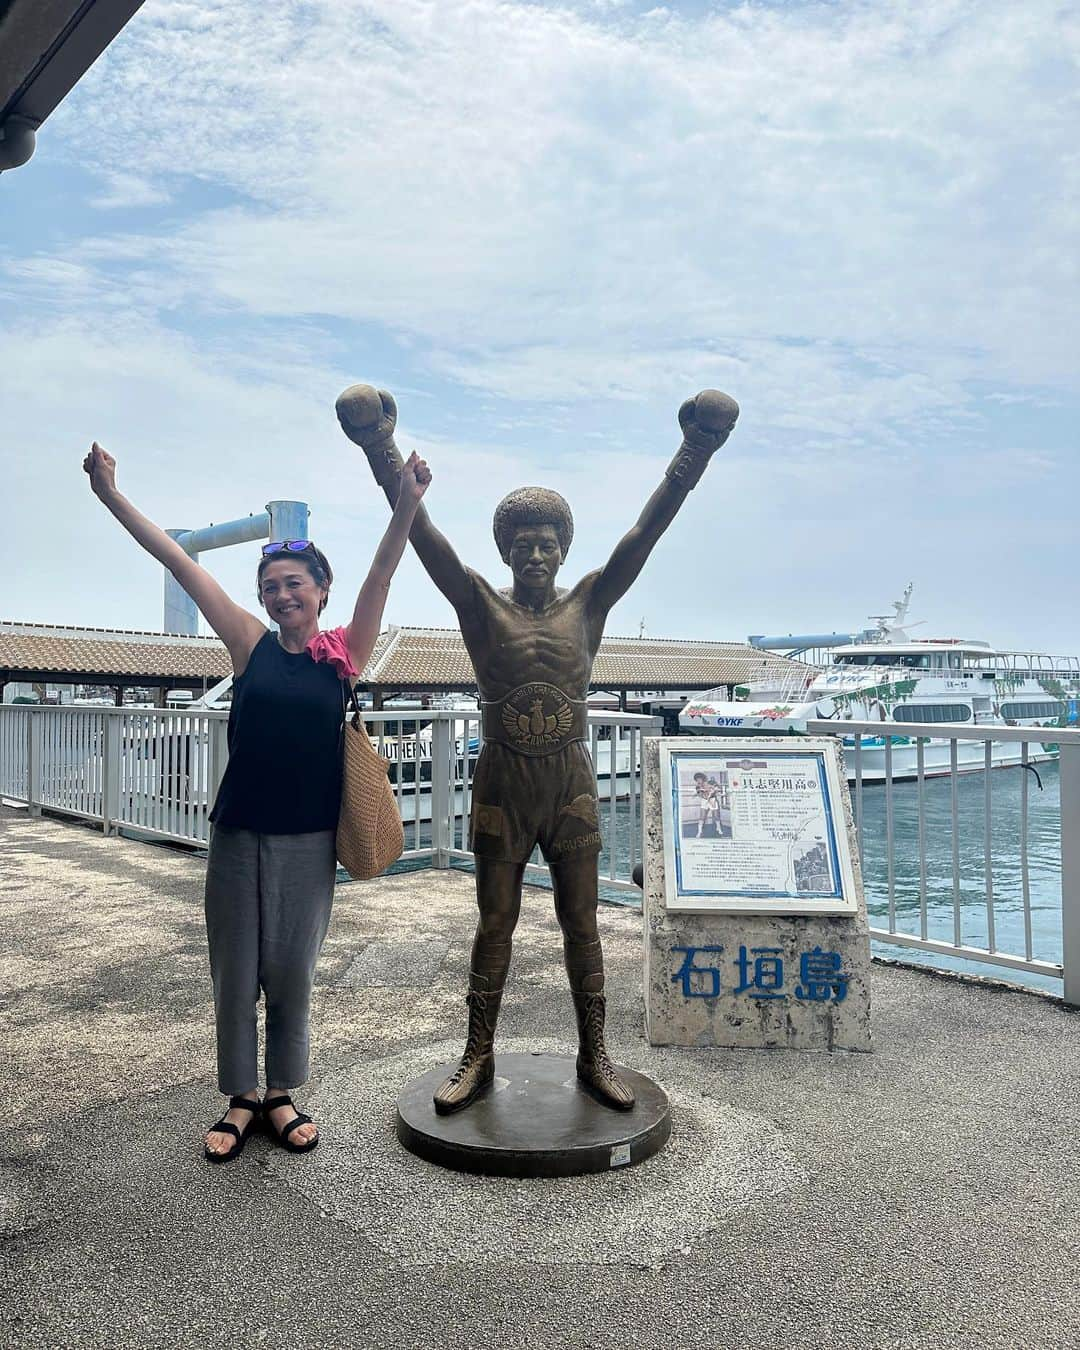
(544, 226)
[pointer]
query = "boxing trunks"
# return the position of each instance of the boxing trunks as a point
(534, 781)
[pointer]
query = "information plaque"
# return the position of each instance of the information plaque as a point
(755, 829)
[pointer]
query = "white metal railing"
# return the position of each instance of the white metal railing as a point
(1003, 665)
(935, 760)
(1012, 665)
(1032, 663)
(923, 798)
(788, 687)
(156, 773)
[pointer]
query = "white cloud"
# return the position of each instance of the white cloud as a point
(856, 217)
(125, 190)
(51, 278)
(544, 194)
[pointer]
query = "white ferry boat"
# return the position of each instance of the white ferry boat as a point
(895, 678)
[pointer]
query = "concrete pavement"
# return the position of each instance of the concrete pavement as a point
(925, 1195)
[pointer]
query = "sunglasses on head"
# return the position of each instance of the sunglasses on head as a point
(293, 545)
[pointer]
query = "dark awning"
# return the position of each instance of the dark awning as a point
(46, 47)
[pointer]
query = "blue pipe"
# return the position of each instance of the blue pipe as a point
(279, 520)
(803, 640)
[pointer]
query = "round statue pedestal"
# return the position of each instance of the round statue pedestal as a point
(535, 1120)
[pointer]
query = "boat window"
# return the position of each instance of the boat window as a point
(918, 660)
(932, 712)
(1045, 708)
(954, 660)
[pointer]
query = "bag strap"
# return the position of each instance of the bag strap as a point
(352, 698)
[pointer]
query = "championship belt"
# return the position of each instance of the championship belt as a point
(536, 719)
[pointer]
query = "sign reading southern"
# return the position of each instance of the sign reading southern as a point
(755, 829)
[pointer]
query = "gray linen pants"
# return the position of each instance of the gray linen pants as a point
(268, 900)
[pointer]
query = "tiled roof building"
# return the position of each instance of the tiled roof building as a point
(435, 658)
(40, 652)
(406, 660)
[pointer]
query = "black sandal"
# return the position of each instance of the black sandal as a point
(227, 1127)
(282, 1136)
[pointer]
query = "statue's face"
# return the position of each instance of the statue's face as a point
(535, 555)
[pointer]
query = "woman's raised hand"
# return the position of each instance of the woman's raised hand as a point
(101, 467)
(415, 477)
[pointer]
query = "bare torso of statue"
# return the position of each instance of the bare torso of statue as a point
(533, 647)
(511, 644)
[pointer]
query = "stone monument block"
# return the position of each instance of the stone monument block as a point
(755, 923)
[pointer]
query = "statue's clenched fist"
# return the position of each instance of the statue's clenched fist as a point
(707, 420)
(367, 415)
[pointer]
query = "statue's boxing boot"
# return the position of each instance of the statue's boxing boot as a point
(585, 966)
(477, 1068)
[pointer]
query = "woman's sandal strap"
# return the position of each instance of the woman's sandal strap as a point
(245, 1104)
(272, 1104)
(225, 1127)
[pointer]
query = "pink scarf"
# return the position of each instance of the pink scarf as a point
(333, 646)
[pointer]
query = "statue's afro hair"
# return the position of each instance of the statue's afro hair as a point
(532, 506)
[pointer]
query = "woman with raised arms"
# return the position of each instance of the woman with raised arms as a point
(272, 862)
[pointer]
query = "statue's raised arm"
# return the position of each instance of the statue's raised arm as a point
(706, 422)
(368, 417)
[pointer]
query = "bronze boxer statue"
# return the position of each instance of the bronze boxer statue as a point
(532, 647)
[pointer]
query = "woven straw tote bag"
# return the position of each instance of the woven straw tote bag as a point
(370, 835)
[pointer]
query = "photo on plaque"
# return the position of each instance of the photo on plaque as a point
(755, 829)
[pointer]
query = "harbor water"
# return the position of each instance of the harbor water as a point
(1006, 869)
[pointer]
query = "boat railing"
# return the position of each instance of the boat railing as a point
(931, 903)
(852, 677)
(802, 688)
(154, 773)
(1035, 664)
(1031, 664)
(786, 689)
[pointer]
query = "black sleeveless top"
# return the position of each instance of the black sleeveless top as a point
(284, 769)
